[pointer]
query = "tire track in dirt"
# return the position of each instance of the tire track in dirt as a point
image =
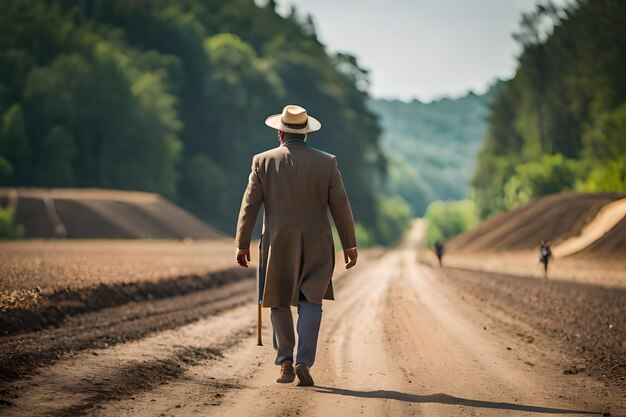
(85, 381)
(362, 361)
(22, 354)
(52, 307)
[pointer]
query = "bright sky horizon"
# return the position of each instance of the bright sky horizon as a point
(424, 49)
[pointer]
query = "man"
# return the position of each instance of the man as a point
(544, 257)
(297, 186)
(439, 249)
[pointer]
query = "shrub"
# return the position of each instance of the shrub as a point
(550, 174)
(8, 228)
(446, 219)
(393, 219)
(610, 176)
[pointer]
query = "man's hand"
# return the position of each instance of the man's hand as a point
(349, 256)
(243, 257)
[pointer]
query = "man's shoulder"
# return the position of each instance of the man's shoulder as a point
(322, 154)
(280, 150)
(268, 152)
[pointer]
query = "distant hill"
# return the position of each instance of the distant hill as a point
(432, 147)
(101, 214)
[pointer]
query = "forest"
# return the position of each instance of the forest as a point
(560, 123)
(170, 97)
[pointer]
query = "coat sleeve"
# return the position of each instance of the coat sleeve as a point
(250, 205)
(340, 209)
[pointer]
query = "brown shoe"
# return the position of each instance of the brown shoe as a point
(304, 376)
(286, 372)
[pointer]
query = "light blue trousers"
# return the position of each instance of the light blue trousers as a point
(309, 319)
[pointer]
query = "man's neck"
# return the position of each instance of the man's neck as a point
(283, 143)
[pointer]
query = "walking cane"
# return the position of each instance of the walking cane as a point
(260, 287)
(258, 332)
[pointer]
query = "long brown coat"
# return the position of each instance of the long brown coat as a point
(297, 185)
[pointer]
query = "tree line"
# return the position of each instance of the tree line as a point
(170, 97)
(560, 123)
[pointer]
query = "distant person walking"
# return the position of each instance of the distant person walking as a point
(544, 257)
(439, 250)
(297, 184)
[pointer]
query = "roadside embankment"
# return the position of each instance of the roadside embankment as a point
(586, 231)
(553, 219)
(90, 213)
(43, 282)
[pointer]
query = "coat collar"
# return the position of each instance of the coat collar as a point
(294, 142)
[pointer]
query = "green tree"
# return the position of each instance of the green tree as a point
(171, 98)
(559, 123)
(55, 166)
(610, 176)
(551, 174)
(205, 188)
(125, 139)
(15, 146)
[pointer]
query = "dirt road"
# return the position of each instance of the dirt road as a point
(401, 339)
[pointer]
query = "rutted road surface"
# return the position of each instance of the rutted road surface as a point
(401, 339)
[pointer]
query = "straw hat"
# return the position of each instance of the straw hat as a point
(293, 119)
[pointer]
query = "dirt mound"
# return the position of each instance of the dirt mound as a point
(554, 218)
(613, 242)
(603, 232)
(103, 214)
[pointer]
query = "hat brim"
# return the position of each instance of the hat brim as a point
(274, 121)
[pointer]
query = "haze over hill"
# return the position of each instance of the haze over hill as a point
(432, 147)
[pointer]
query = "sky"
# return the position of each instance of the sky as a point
(424, 49)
